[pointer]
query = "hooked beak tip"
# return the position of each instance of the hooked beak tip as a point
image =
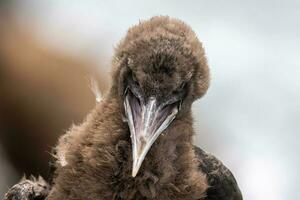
(137, 162)
(136, 166)
(146, 122)
(134, 172)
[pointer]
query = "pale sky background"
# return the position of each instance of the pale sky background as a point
(252, 109)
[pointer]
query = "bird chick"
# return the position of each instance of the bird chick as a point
(159, 70)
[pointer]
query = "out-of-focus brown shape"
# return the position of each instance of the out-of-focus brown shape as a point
(42, 92)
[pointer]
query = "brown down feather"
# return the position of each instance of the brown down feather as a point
(94, 159)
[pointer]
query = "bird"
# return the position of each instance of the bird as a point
(138, 141)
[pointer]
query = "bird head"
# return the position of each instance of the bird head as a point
(159, 70)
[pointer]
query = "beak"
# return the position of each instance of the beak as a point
(146, 120)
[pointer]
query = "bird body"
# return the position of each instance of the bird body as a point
(138, 141)
(99, 162)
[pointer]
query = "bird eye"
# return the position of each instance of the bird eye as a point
(135, 80)
(133, 86)
(182, 86)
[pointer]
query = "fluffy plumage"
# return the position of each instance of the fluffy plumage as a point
(95, 158)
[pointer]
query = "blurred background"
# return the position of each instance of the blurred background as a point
(249, 118)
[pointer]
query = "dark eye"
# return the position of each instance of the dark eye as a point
(135, 80)
(131, 82)
(134, 86)
(182, 86)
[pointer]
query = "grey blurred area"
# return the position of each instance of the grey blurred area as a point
(249, 117)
